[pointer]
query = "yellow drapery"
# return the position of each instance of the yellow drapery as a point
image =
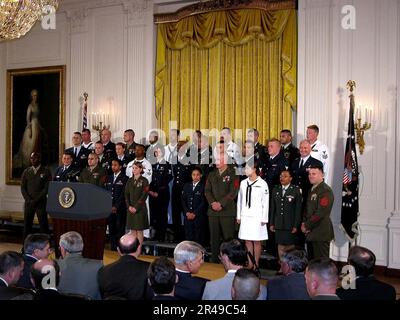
(234, 68)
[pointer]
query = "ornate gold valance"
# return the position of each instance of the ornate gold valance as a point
(219, 5)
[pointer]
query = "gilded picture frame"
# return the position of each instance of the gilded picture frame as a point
(35, 118)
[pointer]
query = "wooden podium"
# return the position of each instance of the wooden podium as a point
(80, 207)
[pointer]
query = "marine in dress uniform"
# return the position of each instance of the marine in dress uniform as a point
(159, 196)
(136, 192)
(222, 188)
(317, 224)
(93, 174)
(115, 183)
(34, 186)
(195, 206)
(285, 213)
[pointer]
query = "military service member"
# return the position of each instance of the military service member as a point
(67, 172)
(318, 150)
(34, 186)
(93, 173)
(136, 192)
(290, 152)
(159, 194)
(115, 183)
(222, 187)
(285, 212)
(109, 146)
(260, 152)
(317, 224)
(129, 139)
(276, 163)
(80, 153)
(195, 206)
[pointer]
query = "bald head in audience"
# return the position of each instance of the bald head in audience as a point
(245, 285)
(321, 277)
(129, 245)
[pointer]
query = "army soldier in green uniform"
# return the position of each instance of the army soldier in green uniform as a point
(93, 173)
(136, 192)
(222, 187)
(317, 224)
(285, 212)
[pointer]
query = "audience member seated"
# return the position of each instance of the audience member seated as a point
(367, 287)
(127, 277)
(11, 266)
(233, 255)
(188, 257)
(245, 285)
(36, 247)
(292, 285)
(78, 274)
(162, 279)
(321, 279)
(45, 275)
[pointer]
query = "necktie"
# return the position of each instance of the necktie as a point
(76, 152)
(283, 192)
(115, 178)
(194, 186)
(248, 193)
(301, 163)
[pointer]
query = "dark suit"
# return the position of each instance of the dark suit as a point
(25, 279)
(54, 295)
(79, 160)
(193, 200)
(126, 278)
(189, 287)
(70, 174)
(117, 221)
(368, 288)
(291, 153)
(300, 176)
(290, 287)
(34, 188)
(10, 293)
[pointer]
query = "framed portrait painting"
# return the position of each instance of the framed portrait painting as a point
(35, 118)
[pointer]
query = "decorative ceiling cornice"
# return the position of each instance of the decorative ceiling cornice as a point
(216, 5)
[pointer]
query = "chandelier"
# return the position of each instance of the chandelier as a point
(17, 17)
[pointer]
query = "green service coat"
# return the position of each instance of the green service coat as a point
(318, 210)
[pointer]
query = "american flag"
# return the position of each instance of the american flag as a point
(350, 205)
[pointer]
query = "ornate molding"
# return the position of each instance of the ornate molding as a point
(136, 10)
(216, 5)
(78, 19)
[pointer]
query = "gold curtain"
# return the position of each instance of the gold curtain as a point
(234, 68)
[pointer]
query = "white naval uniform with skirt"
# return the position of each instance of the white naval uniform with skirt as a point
(252, 209)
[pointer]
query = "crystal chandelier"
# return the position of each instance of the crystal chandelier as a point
(17, 17)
